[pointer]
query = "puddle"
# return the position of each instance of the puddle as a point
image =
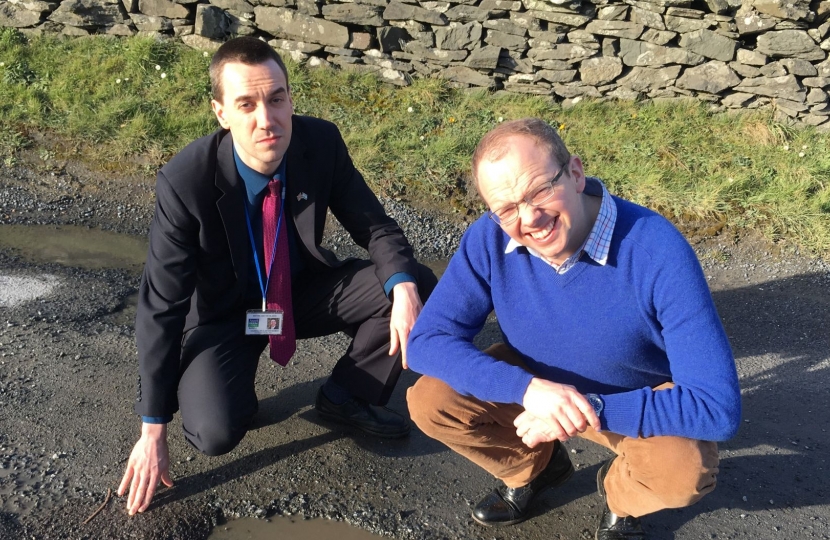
(81, 247)
(74, 246)
(283, 528)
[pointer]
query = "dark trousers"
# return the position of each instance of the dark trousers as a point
(217, 397)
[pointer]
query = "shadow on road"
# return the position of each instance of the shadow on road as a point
(197, 483)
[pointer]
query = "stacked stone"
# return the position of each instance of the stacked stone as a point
(732, 53)
(113, 17)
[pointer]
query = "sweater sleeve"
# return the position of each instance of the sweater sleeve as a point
(705, 402)
(441, 342)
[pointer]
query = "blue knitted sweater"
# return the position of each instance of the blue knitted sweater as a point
(643, 319)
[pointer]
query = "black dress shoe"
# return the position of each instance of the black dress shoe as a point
(612, 526)
(377, 421)
(508, 506)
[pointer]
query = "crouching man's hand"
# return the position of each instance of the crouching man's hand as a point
(406, 306)
(553, 411)
(148, 465)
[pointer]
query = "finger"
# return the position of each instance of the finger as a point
(403, 352)
(535, 438)
(165, 478)
(530, 425)
(125, 481)
(578, 419)
(525, 425)
(565, 437)
(523, 418)
(560, 435)
(133, 493)
(140, 489)
(560, 426)
(142, 492)
(568, 427)
(588, 412)
(148, 494)
(393, 338)
(529, 441)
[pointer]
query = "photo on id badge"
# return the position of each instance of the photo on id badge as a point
(264, 323)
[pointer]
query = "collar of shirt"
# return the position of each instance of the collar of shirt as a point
(255, 181)
(598, 243)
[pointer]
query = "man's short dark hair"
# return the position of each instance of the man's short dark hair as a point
(493, 146)
(244, 50)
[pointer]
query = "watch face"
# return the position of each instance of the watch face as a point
(596, 402)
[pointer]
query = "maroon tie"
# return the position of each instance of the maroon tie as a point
(278, 295)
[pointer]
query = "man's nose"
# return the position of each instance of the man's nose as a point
(264, 118)
(528, 213)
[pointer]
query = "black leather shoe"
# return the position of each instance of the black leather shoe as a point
(612, 526)
(508, 506)
(374, 420)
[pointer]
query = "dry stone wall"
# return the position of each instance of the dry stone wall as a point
(731, 53)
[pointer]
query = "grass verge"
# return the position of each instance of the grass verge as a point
(138, 100)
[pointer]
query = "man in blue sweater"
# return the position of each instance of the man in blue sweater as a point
(610, 335)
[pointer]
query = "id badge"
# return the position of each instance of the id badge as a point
(263, 323)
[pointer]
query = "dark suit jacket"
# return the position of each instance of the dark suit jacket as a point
(197, 264)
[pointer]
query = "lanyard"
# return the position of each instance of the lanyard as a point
(263, 286)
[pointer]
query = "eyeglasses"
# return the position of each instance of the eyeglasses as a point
(510, 213)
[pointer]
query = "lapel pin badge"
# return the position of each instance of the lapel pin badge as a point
(302, 197)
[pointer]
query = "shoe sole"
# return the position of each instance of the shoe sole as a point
(564, 477)
(383, 435)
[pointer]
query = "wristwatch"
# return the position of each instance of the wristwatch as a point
(596, 402)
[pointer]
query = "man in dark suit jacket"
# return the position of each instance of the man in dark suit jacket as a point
(201, 275)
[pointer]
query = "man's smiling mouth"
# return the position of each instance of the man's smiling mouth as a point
(544, 233)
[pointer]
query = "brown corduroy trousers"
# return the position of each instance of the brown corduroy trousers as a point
(649, 474)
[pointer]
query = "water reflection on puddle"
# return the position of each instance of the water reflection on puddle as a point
(82, 247)
(74, 246)
(283, 528)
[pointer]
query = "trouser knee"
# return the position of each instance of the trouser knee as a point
(694, 476)
(678, 471)
(214, 439)
(425, 398)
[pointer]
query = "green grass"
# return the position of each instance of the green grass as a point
(694, 166)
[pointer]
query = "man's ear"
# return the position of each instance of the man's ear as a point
(219, 111)
(577, 172)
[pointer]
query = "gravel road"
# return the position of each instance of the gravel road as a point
(68, 367)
